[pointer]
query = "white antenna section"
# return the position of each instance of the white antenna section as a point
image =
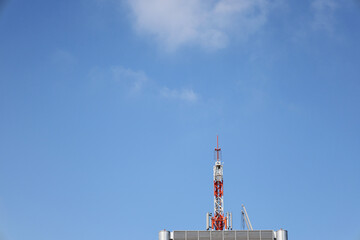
(208, 216)
(246, 217)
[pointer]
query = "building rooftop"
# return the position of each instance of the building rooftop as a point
(224, 235)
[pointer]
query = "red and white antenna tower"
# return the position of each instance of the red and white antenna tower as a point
(218, 220)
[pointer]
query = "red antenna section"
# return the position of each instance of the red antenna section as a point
(218, 221)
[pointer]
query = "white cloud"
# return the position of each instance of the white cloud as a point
(208, 23)
(139, 82)
(184, 94)
(323, 11)
(64, 59)
(136, 79)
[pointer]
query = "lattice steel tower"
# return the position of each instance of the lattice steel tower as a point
(219, 224)
(218, 221)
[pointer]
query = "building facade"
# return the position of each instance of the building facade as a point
(224, 235)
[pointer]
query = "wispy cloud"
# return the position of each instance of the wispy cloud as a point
(209, 24)
(183, 94)
(137, 82)
(64, 60)
(63, 56)
(134, 79)
(323, 12)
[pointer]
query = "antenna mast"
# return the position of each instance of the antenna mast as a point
(246, 217)
(218, 221)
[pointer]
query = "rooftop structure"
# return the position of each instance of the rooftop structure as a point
(224, 235)
(221, 223)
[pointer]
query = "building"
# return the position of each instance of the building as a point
(219, 224)
(224, 235)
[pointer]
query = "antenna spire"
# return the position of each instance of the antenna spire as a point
(218, 221)
(217, 149)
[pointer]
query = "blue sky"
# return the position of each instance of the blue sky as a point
(109, 111)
